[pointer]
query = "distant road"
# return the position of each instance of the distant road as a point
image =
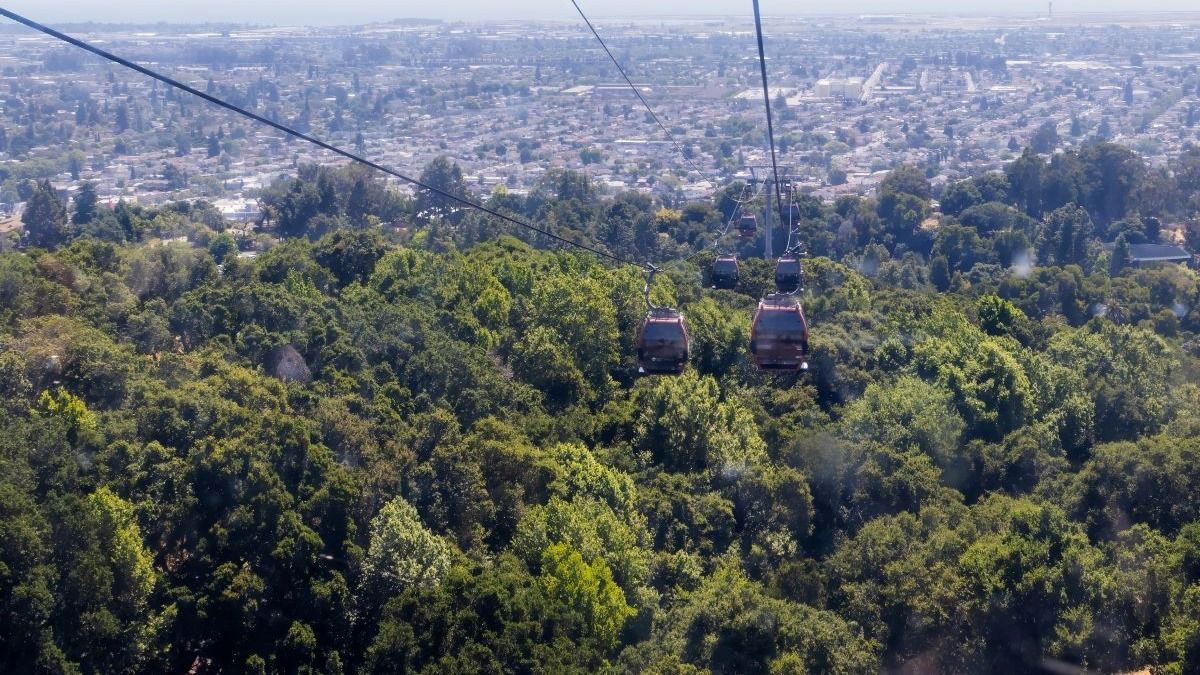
(873, 81)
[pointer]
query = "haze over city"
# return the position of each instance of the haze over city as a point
(364, 11)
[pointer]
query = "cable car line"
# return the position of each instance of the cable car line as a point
(664, 344)
(738, 204)
(736, 209)
(762, 62)
(791, 220)
(779, 331)
(793, 243)
(305, 137)
(670, 136)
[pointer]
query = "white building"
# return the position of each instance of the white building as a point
(850, 87)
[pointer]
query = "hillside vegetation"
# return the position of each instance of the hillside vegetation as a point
(424, 448)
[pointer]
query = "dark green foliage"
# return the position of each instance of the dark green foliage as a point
(448, 179)
(1112, 174)
(221, 247)
(85, 204)
(990, 466)
(1045, 139)
(1120, 256)
(959, 197)
(45, 217)
(350, 254)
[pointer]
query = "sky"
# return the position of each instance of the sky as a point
(292, 12)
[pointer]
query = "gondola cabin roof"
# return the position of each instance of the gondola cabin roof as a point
(725, 272)
(663, 343)
(779, 301)
(788, 274)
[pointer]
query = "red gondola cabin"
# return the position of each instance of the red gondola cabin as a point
(748, 227)
(787, 274)
(663, 343)
(725, 272)
(779, 334)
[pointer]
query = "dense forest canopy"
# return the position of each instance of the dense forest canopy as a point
(401, 438)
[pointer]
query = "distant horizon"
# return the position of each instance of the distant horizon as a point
(360, 12)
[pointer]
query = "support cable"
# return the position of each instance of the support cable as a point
(653, 115)
(762, 62)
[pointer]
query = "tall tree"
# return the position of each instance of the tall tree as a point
(1068, 229)
(904, 203)
(357, 203)
(298, 207)
(327, 194)
(85, 204)
(447, 177)
(45, 217)
(1112, 175)
(1120, 256)
(959, 197)
(1045, 139)
(1025, 181)
(122, 118)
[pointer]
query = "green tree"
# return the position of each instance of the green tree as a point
(906, 179)
(1045, 138)
(1112, 175)
(595, 530)
(587, 590)
(69, 411)
(350, 254)
(903, 203)
(998, 316)
(446, 177)
(1068, 231)
(403, 553)
(357, 203)
(686, 427)
(939, 273)
(1126, 371)
(732, 625)
(907, 413)
(991, 389)
(1147, 482)
(222, 247)
(959, 197)
(300, 205)
(45, 217)
(583, 319)
(1121, 257)
(85, 204)
(542, 360)
(1026, 182)
(107, 623)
